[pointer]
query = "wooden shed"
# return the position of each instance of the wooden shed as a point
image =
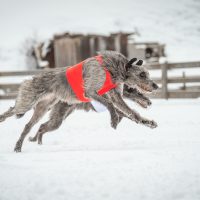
(67, 49)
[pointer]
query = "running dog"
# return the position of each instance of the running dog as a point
(57, 85)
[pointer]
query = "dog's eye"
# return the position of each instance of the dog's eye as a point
(143, 75)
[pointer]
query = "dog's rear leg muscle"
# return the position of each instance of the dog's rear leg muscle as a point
(10, 112)
(40, 110)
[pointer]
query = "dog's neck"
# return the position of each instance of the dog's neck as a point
(115, 63)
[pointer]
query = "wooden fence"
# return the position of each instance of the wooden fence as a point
(165, 80)
(9, 90)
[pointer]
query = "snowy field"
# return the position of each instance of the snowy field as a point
(86, 159)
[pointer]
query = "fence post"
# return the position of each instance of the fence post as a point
(184, 83)
(164, 81)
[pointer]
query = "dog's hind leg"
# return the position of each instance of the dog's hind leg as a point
(59, 112)
(39, 111)
(10, 112)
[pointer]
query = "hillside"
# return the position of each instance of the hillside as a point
(175, 23)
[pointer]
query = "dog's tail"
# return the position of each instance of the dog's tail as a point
(25, 99)
(8, 113)
(20, 103)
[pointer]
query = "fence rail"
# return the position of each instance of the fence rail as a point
(10, 89)
(181, 65)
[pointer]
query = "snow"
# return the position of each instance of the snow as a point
(86, 159)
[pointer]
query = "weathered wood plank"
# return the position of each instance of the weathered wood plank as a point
(11, 86)
(187, 79)
(8, 96)
(184, 65)
(174, 65)
(177, 94)
(192, 88)
(183, 94)
(20, 73)
(153, 66)
(164, 81)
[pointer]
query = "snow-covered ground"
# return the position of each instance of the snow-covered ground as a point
(175, 23)
(86, 159)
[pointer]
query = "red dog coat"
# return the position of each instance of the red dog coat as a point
(75, 79)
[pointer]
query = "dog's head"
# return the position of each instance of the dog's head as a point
(137, 75)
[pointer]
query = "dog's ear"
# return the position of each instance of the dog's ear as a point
(139, 62)
(130, 62)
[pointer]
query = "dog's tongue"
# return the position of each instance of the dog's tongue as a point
(98, 106)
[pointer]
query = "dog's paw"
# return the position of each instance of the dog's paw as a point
(40, 139)
(149, 123)
(149, 102)
(114, 123)
(18, 147)
(153, 124)
(115, 120)
(2, 118)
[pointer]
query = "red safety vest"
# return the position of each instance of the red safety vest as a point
(74, 76)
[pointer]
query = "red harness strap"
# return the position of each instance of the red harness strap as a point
(75, 78)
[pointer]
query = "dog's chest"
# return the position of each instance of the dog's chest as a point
(74, 76)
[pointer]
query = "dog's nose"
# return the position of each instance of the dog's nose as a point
(155, 86)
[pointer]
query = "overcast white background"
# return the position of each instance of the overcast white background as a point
(175, 23)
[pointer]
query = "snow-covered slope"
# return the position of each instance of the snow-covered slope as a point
(176, 23)
(86, 159)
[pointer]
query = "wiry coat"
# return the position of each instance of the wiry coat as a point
(53, 86)
(55, 83)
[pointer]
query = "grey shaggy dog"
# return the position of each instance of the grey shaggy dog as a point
(54, 86)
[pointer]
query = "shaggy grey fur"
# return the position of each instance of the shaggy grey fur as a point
(54, 86)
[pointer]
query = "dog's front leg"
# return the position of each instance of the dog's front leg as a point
(131, 114)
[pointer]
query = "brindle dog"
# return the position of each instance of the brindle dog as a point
(53, 85)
